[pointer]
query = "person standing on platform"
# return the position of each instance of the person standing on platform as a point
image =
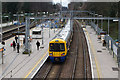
(16, 38)
(18, 47)
(38, 45)
(24, 41)
(14, 45)
(3, 42)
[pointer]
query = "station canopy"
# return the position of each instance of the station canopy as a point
(59, 1)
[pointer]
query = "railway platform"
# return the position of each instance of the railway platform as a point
(18, 65)
(8, 24)
(103, 64)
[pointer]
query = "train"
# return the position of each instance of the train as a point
(59, 45)
(37, 33)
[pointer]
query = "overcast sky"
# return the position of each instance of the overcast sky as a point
(64, 2)
(59, 0)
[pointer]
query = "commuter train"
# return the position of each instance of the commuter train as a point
(59, 45)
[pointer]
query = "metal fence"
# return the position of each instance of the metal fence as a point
(110, 43)
(96, 28)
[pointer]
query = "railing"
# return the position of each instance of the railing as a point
(110, 43)
(97, 29)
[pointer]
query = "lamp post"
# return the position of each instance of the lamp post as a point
(43, 14)
(119, 49)
(42, 35)
(42, 46)
(118, 57)
(15, 15)
(18, 22)
(91, 15)
(101, 22)
(1, 19)
(54, 27)
(38, 13)
(97, 22)
(18, 27)
(47, 13)
(108, 25)
(49, 28)
(108, 31)
(1, 26)
(94, 16)
(27, 36)
(7, 19)
(22, 15)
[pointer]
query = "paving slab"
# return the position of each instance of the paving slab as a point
(18, 65)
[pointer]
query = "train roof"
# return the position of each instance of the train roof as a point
(64, 32)
(37, 29)
(57, 40)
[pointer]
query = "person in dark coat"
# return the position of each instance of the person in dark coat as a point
(16, 38)
(3, 42)
(24, 41)
(14, 45)
(38, 45)
(18, 47)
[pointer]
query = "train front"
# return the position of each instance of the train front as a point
(57, 50)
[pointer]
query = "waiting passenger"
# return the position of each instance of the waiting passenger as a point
(14, 45)
(18, 47)
(16, 38)
(38, 45)
(24, 41)
(3, 42)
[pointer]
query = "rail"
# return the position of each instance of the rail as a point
(47, 72)
(74, 68)
(84, 52)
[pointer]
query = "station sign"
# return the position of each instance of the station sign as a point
(115, 49)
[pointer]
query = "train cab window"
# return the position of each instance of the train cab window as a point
(62, 47)
(57, 47)
(36, 32)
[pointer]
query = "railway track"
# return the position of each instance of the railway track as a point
(77, 64)
(86, 60)
(7, 32)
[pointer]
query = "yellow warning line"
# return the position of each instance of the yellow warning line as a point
(36, 65)
(96, 62)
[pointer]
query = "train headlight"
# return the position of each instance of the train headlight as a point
(50, 54)
(63, 54)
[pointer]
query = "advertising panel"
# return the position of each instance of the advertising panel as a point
(114, 49)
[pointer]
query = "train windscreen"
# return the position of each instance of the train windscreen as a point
(57, 47)
(36, 32)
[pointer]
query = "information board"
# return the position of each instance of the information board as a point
(114, 49)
